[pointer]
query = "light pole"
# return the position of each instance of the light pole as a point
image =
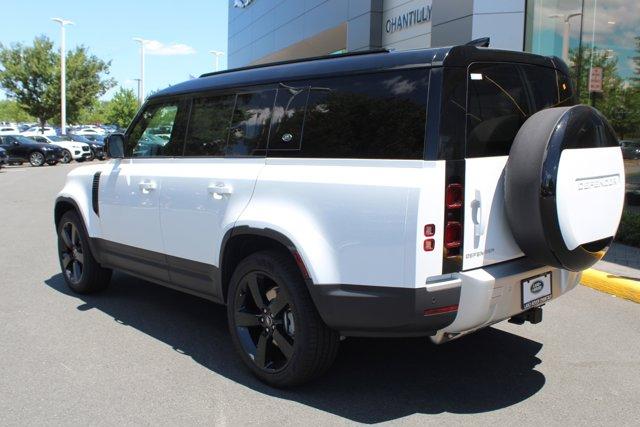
(565, 33)
(217, 54)
(63, 72)
(141, 84)
(138, 81)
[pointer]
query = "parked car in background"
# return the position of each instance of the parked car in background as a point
(71, 150)
(630, 149)
(37, 130)
(4, 158)
(9, 130)
(22, 149)
(97, 147)
(89, 131)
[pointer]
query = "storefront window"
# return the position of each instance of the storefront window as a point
(600, 41)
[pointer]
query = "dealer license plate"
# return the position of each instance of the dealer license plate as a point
(536, 290)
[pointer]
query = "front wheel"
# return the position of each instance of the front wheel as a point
(274, 324)
(66, 156)
(36, 158)
(80, 270)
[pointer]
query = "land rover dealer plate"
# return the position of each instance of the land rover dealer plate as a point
(536, 290)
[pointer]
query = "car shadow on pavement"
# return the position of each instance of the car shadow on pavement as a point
(373, 380)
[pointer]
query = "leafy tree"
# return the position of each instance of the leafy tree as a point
(636, 61)
(10, 111)
(31, 76)
(95, 113)
(122, 108)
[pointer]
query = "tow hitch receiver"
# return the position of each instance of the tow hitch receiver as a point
(533, 316)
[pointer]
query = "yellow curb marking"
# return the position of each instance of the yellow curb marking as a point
(612, 284)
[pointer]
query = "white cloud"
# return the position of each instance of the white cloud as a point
(154, 47)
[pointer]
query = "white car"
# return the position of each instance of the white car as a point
(37, 130)
(72, 150)
(9, 130)
(89, 131)
(419, 193)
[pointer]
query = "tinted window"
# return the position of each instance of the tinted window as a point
(497, 105)
(154, 134)
(209, 126)
(375, 116)
(288, 118)
(250, 124)
(543, 85)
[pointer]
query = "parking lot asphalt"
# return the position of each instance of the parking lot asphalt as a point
(143, 354)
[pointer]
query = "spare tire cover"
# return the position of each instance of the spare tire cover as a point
(564, 187)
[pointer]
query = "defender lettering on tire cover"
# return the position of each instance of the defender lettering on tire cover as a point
(564, 187)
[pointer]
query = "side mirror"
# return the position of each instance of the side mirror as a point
(114, 145)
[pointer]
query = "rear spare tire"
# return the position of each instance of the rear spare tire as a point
(564, 187)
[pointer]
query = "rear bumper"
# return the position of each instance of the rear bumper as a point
(356, 310)
(484, 296)
(492, 294)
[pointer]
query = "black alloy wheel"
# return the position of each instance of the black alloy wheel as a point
(274, 323)
(36, 158)
(81, 271)
(264, 321)
(71, 253)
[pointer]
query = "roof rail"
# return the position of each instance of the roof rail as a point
(293, 61)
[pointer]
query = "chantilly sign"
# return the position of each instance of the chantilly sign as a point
(408, 19)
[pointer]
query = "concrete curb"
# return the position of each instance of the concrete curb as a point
(610, 283)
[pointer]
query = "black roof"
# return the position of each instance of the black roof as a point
(332, 65)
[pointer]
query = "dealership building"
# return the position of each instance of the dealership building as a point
(272, 30)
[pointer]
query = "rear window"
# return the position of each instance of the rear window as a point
(501, 97)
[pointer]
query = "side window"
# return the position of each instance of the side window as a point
(565, 93)
(288, 118)
(250, 123)
(497, 105)
(155, 133)
(374, 116)
(543, 85)
(209, 126)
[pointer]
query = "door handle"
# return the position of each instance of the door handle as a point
(147, 186)
(219, 189)
(476, 214)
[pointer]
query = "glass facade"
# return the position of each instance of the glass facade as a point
(600, 41)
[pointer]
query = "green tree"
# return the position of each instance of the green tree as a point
(10, 111)
(618, 100)
(122, 108)
(31, 76)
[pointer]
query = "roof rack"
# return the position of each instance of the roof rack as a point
(293, 61)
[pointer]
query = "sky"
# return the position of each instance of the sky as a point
(181, 32)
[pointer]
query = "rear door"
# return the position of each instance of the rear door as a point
(500, 98)
(205, 192)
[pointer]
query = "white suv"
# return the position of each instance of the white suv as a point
(421, 193)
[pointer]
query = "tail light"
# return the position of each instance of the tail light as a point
(453, 235)
(453, 196)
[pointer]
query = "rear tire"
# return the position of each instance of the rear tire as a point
(82, 273)
(274, 324)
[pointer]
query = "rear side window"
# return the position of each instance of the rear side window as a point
(209, 126)
(250, 123)
(373, 116)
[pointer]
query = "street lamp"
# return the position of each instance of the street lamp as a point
(217, 54)
(63, 72)
(565, 33)
(141, 83)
